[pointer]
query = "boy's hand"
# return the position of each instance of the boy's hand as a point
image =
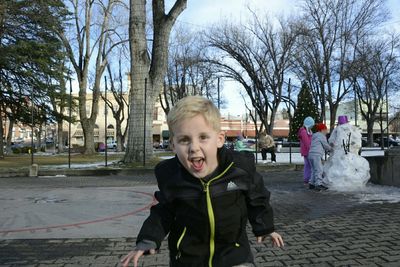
(276, 239)
(134, 256)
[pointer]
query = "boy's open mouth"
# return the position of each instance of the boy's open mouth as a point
(197, 163)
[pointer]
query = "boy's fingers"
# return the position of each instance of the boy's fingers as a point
(125, 260)
(138, 254)
(152, 251)
(278, 241)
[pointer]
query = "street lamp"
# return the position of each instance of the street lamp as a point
(144, 122)
(387, 112)
(32, 118)
(105, 120)
(69, 125)
(219, 95)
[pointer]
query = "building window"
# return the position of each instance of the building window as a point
(155, 114)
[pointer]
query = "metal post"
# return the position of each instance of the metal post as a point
(290, 121)
(54, 139)
(290, 109)
(32, 111)
(144, 122)
(355, 103)
(69, 124)
(387, 112)
(105, 120)
(255, 118)
(219, 96)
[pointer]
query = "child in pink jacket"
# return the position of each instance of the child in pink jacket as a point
(305, 135)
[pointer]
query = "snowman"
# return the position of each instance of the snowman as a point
(345, 170)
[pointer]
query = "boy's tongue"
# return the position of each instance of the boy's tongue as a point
(197, 164)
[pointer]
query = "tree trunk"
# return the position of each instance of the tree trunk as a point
(60, 138)
(9, 136)
(87, 123)
(370, 131)
(39, 137)
(120, 139)
(272, 122)
(1, 136)
(140, 132)
(333, 112)
(88, 135)
(140, 64)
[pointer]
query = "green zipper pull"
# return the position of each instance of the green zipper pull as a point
(206, 187)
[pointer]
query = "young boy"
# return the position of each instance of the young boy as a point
(206, 195)
(319, 145)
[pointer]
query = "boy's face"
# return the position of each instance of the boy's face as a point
(195, 143)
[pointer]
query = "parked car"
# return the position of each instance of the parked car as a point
(392, 142)
(164, 144)
(17, 145)
(364, 142)
(112, 145)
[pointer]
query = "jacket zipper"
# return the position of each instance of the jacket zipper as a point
(178, 244)
(210, 211)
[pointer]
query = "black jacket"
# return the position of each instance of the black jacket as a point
(206, 220)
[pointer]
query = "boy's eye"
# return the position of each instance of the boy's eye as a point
(203, 137)
(183, 140)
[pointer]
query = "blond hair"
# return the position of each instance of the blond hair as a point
(192, 106)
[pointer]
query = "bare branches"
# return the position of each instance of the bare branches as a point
(258, 56)
(330, 33)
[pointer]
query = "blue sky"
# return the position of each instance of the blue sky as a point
(209, 11)
(199, 14)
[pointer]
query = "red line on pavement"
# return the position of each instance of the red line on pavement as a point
(154, 201)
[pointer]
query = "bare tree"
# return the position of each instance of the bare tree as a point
(93, 38)
(374, 71)
(188, 72)
(330, 32)
(147, 67)
(118, 109)
(258, 57)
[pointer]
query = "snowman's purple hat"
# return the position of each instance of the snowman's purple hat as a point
(342, 119)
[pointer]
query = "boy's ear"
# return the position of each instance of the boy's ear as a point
(221, 139)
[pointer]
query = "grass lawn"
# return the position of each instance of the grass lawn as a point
(24, 160)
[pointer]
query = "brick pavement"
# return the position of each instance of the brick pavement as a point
(320, 229)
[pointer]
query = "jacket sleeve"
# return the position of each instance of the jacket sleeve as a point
(158, 224)
(260, 212)
(300, 134)
(333, 136)
(325, 144)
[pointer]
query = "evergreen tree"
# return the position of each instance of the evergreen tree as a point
(30, 52)
(306, 106)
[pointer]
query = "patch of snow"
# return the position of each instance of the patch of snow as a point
(82, 165)
(378, 194)
(372, 152)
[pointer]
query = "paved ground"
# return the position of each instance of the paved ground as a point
(320, 229)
